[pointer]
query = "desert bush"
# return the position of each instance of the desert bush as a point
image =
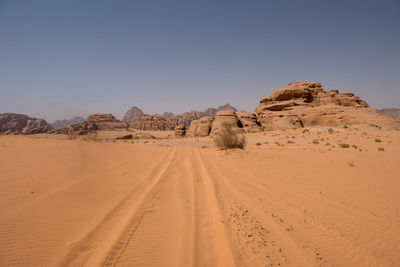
(330, 130)
(381, 149)
(378, 140)
(350, 163)
(290, 142)
(258, 144)
(315, 142)
(227, 138)
(344, 145)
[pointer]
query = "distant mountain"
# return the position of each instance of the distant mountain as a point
(66, 123)
(132, 114)
(20, 123)
(392, 112)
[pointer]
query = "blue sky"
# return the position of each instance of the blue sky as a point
(59, 59)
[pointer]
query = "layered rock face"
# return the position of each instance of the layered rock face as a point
(65, 123)
(132, 114)
(152, 123)
(20, 123)
(305, 104)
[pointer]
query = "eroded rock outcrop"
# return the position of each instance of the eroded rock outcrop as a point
(248, 121)
(93, 123)
(306, 104)
(152, 123)
(20, 123)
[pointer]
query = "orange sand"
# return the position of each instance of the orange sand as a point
(85, 203)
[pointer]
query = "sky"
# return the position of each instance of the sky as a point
(60, 59)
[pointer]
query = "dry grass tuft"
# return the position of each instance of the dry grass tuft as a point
(227, 138)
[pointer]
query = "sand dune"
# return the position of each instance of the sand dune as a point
(83, 203)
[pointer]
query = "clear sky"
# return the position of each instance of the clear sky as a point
(59, 59)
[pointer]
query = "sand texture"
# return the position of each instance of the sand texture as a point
(291, 198)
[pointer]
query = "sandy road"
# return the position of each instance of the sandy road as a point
(139, 205)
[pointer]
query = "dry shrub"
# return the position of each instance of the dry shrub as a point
(227, 138)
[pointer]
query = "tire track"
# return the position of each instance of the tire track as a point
(216, 237)
(103, 245)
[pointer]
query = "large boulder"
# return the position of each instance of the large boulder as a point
(152, 123)
(248, 121)
(20, 123)
(225, 117)
(132, 114)
(204, 126)
(192, 128)
(306, 104)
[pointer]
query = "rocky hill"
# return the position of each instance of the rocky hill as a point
(65, 123)
(132, 114)
(20, 123)
(392, 112)
(93, 123)
(305, 104)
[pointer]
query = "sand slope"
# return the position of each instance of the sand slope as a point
(82, 203)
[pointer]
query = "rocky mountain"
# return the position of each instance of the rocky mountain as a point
(392, 112)
(65, 123)
(152, 123)
(20, 123)
(132, 114)
(305, 104)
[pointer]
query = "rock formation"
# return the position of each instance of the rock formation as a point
(305, 104)
(132, 114)
(152, 123)
(65, 123)
(187, 117)
(392, 112)
(20, 123)
(180, 130)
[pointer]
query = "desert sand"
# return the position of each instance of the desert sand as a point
(291, 198)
